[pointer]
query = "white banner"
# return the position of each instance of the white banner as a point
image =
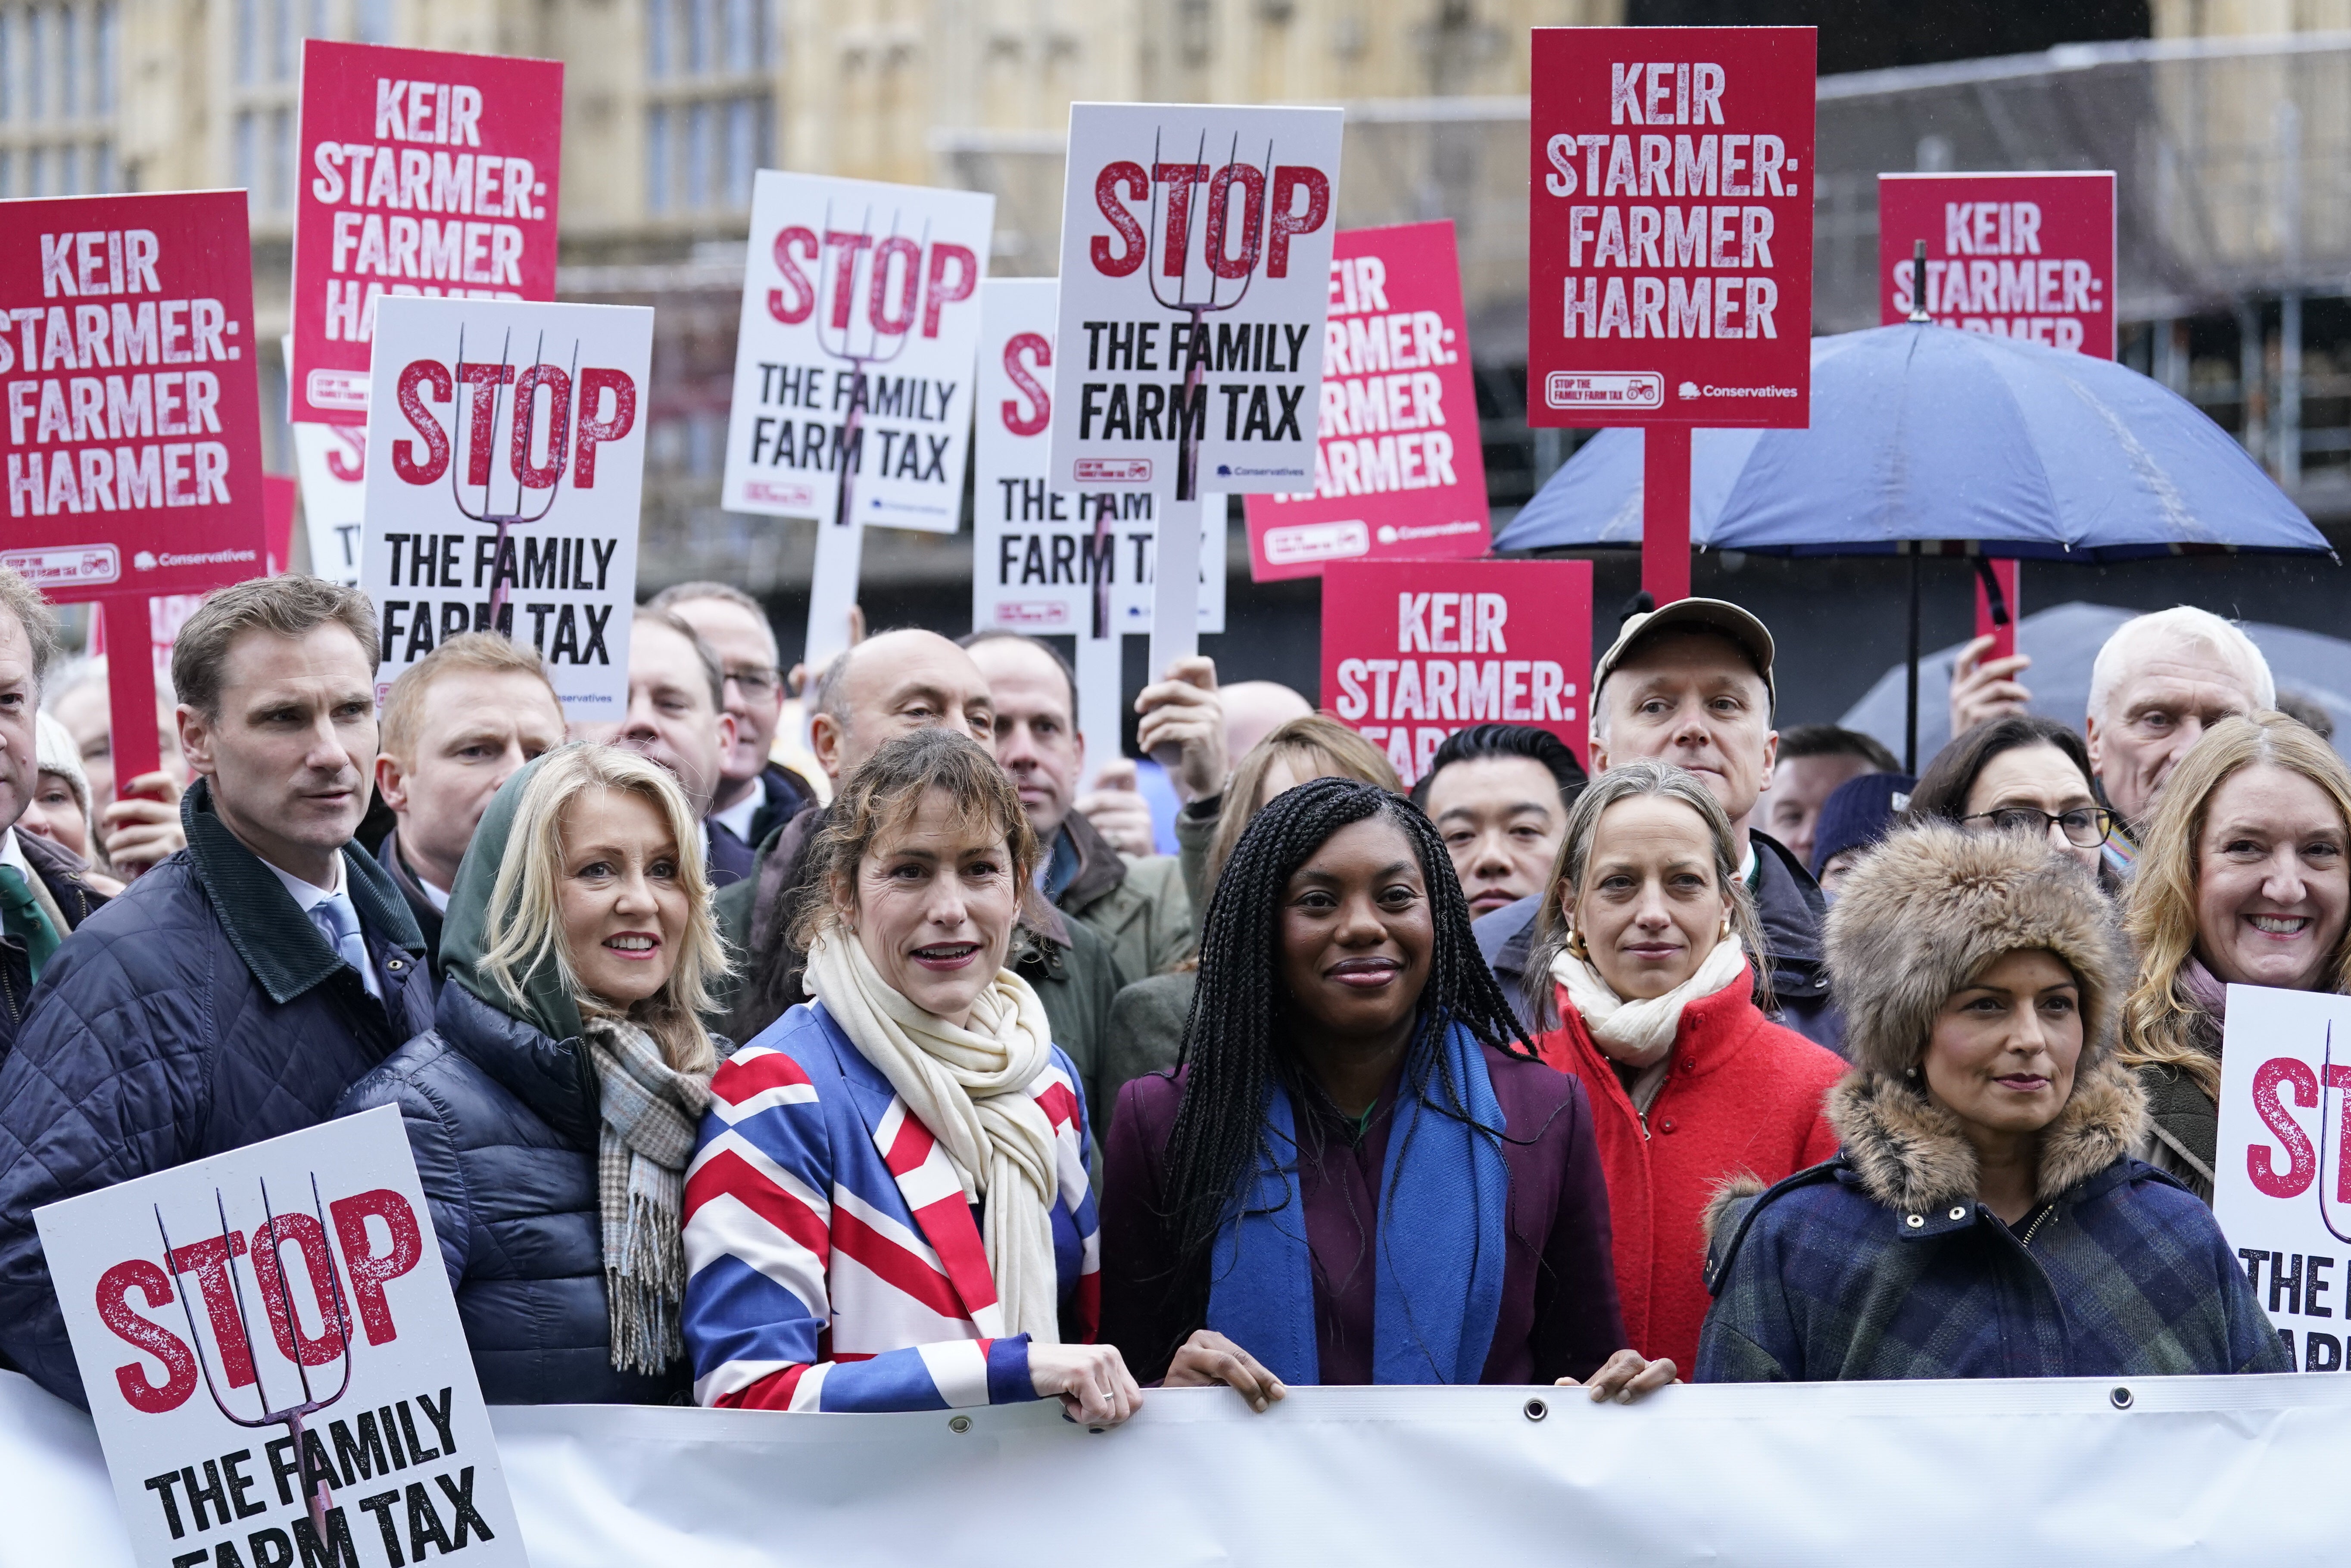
(1196, 267)
(2212, 1470)
(2282, 1187)
(270, 1346)
(504, 473)
(861, 311)
(1040, 553)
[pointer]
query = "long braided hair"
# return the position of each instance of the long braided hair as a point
(1234, 1039)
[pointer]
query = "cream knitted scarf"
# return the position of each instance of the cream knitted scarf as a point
(1640, 1033)
(969, 1086)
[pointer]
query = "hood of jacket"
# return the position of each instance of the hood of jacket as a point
(1912, 1153)
(545, 1003)
(1931, 907)
(264, 924)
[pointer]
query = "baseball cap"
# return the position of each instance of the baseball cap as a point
(1717, 616)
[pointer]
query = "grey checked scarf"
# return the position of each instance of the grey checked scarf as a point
(650, 1117)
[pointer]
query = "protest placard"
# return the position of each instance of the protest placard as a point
(1415, 651)
(502, 484)
(133, 438)
(1647, 308)
(1670, 244)
(419, 172)
(2026, 256)
(331, 463)
(1399, 474)
(1049, 561)
(2280, 1185)
(274, 1360)
(1195, 253)
(854, 367)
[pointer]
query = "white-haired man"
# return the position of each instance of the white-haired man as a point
(2159, 682)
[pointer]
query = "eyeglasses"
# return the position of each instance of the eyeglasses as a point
(2086, 827)
(758, 682)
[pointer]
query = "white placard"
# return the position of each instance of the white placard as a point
(861, 311)
(2279, 1187)
(308, 1256)
(1040, 553)
(330, 460)
(1195, 267)
(444, 465)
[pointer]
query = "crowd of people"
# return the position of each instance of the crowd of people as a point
(955, 1072)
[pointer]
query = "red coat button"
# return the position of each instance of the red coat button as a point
(1666, 1125)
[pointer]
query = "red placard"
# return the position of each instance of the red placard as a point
(2018, 255)
(1398, 470)
(1670, 240)
(1413, 651)
(133, 433)
(421, 172)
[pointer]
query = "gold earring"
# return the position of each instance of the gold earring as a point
(1575, 948)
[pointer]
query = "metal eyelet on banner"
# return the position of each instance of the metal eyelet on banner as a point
(1916, 1222)
(2121, 1398)
(1960, 1213)
(959, 1424)
(1536, 1409)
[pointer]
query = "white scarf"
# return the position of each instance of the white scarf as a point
(1640, 1033)
(969, 1086)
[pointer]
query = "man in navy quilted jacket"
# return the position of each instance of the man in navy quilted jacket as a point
(241, 985)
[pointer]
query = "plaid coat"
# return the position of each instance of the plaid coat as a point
(1881, 1263)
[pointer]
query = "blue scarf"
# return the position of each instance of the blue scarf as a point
(1443, 1194)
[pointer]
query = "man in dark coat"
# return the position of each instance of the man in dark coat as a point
(755, 794)
(44, 895)
(459, 722)
(1691, 684)
(238, 987)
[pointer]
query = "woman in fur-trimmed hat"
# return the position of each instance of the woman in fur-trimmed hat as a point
(1984, 1217)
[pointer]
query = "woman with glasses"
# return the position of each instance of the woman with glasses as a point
(2242, 879)
(2021, 774)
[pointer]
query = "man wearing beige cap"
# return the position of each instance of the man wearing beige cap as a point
(1690, 684)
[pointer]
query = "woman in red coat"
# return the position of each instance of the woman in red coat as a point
(1647, 938)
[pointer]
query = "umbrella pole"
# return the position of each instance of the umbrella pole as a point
(1910, 709)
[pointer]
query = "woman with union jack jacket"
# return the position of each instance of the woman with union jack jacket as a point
(888, 1206)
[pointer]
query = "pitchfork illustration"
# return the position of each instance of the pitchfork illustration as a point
(317, 1499)
(874, 354)
(527, 387)
(1188, 429)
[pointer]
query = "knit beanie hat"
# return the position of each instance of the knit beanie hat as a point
(1857, 813)
(54, 751)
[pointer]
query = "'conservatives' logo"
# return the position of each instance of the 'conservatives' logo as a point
(147, 560)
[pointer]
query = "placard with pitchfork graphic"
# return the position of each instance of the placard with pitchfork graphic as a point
(2281, 1178)
(274, 1360)
(1196, 267)
(504, 471)
(854, 367)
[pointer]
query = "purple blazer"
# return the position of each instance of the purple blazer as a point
(1559, 1317)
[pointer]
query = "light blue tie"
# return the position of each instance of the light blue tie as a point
(339, 923)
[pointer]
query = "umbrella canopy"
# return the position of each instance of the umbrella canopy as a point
(1923, 434)
(2063, 642)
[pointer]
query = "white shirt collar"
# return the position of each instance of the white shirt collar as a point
(12, 853)
(308, 896)
(433, 895)
(737, 818)
(1747, 866)
(702, 842)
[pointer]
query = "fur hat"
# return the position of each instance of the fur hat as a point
(1933, 905)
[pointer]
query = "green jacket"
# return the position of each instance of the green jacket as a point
(1142, 907)
(1075, 973)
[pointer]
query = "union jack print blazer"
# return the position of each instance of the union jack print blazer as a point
(832, 1263)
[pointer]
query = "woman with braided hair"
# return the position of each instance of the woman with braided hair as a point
(1359, 1173)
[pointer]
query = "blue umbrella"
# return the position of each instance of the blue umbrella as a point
(1921, 434)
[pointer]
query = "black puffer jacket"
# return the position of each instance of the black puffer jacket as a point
(503, 1121)
(198, 1011)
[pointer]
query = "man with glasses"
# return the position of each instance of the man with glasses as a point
(755, 794)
